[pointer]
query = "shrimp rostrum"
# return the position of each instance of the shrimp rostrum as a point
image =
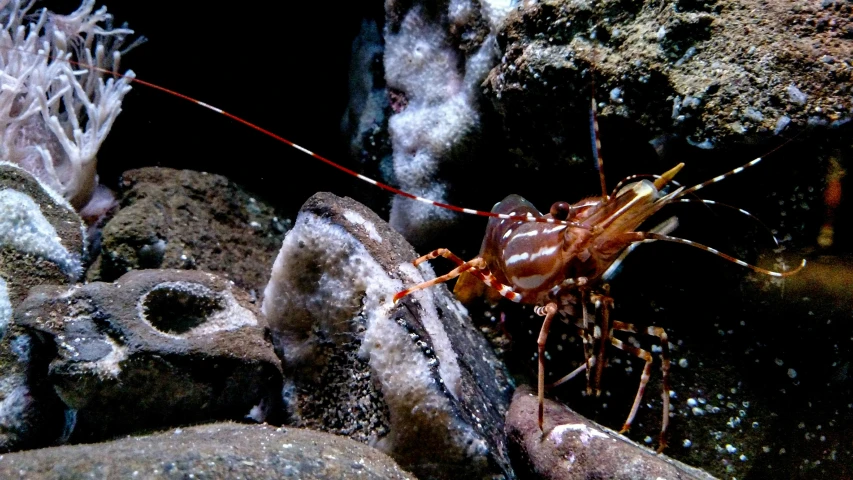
(558, 261)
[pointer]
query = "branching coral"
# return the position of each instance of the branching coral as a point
(55, 110)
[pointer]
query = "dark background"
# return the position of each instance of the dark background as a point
(281, 65)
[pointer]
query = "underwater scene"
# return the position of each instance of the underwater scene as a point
(448, 239)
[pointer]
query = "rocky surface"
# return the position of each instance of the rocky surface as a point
(717, 73)
(223, 450)
(415, 379)
(31, 413)
(573, 447)
(41, 237)
(156, 348)
(189, 220)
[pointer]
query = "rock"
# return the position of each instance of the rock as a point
(415, 379)
(31, 414)
(41, 243)
(576, 448)
(719, 73)
(156, 348)
(222, 450)
(189, 220)
(41, 237)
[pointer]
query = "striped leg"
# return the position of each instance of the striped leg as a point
(439, 252)
(603, 304)
(477, 264)
(549, 311)
(665, 363)
(589, 360)
(574, 373)
(476, 267)
(482, 272)
(588, 336)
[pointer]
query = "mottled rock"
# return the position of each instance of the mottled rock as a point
(156, 348)
(719, 73)
(573, 447)
(223, 450)
(189, 220)
(41, 243)
(415, 379)
(41, 236)
(31, 414)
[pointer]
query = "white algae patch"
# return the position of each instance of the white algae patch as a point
(24, 228)
(5, 307)
(585, 435)
(448, 367)
(369, 227)
(441, 87)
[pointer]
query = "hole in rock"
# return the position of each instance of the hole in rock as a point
(177, 308)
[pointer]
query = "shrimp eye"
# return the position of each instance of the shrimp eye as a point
(560, 210)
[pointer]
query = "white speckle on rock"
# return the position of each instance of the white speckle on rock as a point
(5, 307)
(796, 95)
(586, 433)
(110, 363)
(369, 227)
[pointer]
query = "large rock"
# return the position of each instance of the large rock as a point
(718, 73)
(156, 348)
(41, 236)
(41, 243)
(415, 379)
(189, 220)
(224, 450)
(573, 447)
(31, 414)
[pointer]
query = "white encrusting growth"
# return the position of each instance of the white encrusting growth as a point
(24, 228)
(369, 227)
(441, 85)
(586, 433)
(5, 307)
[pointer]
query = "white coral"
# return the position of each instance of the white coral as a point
(56, 108)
